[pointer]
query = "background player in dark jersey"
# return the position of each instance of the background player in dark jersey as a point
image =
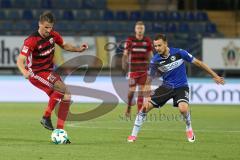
(137, 52)
(37, 52)
(170, 63)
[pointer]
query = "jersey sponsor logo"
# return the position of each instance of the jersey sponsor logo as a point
(47, 52)
(25, 49)
(170, 66)
(139, 50)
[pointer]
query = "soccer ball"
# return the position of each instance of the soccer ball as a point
(59, 136)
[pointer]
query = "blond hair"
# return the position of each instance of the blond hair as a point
(139, 23)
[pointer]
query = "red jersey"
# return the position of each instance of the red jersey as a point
(40, 51)
(138, 53)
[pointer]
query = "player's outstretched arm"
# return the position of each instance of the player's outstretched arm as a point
(216, 78)
(21, 65)
(71, 48)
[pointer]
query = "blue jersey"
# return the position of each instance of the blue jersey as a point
(172, 68)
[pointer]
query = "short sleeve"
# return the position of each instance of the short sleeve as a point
(58, 38)
(186, 56)
(152, 72)
(128, 44)
(27, 47)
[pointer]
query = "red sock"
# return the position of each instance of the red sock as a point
(62, 113)
(55, 97)
(139, 102)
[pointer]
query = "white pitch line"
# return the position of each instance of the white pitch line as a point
(157, 129)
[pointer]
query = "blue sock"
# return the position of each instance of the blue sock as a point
(138, 123)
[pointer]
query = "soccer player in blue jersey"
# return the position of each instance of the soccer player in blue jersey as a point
(169, 62)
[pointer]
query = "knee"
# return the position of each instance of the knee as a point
(147, 107)
(132, 89)
(60, 87)
(67, 97)
(183, 107)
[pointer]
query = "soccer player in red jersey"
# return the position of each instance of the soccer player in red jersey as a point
(37, 52)
(136, 55)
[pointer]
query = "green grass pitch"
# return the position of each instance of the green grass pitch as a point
(217, 130)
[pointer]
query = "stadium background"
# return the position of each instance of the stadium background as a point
(105, 24)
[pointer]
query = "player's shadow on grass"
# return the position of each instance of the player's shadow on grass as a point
(159, 138)
(98, 142)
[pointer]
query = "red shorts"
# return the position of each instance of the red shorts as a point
(137, 78)
(45, 81)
